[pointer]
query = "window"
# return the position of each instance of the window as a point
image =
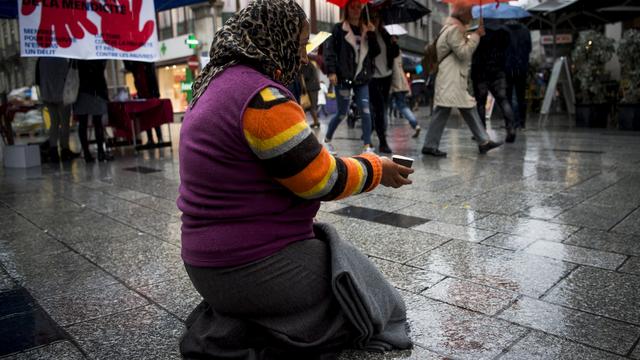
(185, 20)
(165, 25)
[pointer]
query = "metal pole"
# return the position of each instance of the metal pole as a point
(554, 30)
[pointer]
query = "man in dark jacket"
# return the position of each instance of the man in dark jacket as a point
(488, 74)
(349, 60)
(517, 68)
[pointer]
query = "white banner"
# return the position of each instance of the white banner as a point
(89, 29)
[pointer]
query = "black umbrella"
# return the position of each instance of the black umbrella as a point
(403, 11)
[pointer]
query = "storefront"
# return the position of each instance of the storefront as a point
(174, 75)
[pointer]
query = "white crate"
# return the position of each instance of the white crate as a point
(21, 156)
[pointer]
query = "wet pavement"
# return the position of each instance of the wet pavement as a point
(529, 252)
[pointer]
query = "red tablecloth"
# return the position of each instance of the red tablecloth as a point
(148, 113)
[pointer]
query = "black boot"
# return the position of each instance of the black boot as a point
(53, 155)
(511, 135)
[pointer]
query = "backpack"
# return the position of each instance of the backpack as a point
(430, 61)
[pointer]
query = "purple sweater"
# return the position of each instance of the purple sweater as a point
(233, 212)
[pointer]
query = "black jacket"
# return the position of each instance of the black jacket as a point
(92, 81)
(393, 50)
(341, 59)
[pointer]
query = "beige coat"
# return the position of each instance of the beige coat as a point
(399, 81)
(453, 72)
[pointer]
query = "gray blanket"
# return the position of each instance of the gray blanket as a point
(372, 305)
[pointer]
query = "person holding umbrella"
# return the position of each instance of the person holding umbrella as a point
(455, 50)
(381, 81)
(349, 60)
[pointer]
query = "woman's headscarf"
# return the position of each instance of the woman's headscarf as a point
(265, 35)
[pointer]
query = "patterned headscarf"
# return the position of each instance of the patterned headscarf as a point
(264, 35)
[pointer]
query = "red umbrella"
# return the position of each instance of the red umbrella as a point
(342, 3)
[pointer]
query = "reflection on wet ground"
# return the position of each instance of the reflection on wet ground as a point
(529, 252)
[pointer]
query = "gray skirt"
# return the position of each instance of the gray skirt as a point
(89, 105)
(279, 307)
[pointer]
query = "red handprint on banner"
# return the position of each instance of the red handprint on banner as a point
(56, 19)
(121, 23)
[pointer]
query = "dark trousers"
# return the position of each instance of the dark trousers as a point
(496, 82)
(379, 102)
(97, 128)
(518, 82)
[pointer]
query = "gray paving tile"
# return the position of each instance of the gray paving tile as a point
(387, 242)
(86, 304)
(576, 254)
(537, 345)
(58, 273)
(636, 353)
(471, 296)
(593, 216)
(137, 260)
(454, 231)
(525, 227)
(617, 196)
(630, 225)
(84, 226)
(541, 212)
(406, 277)
(177, 296)
(54, 351)
(607, 241)
(26, 244)
(446, 214)
(126, 194)
(505, 202)
(415, 194)
(498, 268)
(329, 206)
(600, 332)
(322, 216)
(143, 333)
(159, 204)
(631, 266)
(417, 353)
(458, 333)
(378, 202)
(6, 282)
(508, 241)
(601, 292)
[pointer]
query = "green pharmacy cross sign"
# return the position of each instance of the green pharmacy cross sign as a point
(192, 41)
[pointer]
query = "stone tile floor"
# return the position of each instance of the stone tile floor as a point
(529, 252)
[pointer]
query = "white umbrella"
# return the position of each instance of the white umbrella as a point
(395, 29)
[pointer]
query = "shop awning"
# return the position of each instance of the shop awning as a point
(9, 8)
(581, 14)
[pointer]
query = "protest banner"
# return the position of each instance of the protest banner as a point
(88, 29)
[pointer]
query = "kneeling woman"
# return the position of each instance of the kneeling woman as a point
(252, 177)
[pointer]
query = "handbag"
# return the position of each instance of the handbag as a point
(71, 84)
(305, 100)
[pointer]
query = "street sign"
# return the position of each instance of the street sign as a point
(193, 62)
(560, 39)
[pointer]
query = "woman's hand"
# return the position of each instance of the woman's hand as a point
(393, 175)
(333, 79)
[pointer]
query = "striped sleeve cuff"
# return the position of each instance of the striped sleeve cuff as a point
(375, 174)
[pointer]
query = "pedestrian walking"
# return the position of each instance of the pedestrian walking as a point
(349, 60)
(381, 81)
(517, 69)
(455, 49)
(488, 75)
(399, 90)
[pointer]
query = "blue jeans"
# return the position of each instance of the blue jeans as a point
(343, 97)
(400, 104)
